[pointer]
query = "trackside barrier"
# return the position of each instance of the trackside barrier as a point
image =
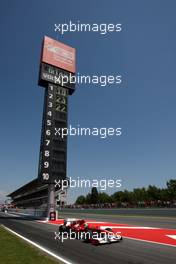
(29, 212)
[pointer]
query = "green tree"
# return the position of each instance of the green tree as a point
(88, 198)
(120, 196)
(171, 187)
(164, 195)
(94, 195)
(81, 199)
(127, 196)
(135, 197)
(104, 198)
(153, 193)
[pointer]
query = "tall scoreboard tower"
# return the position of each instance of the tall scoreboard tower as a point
(57, 68)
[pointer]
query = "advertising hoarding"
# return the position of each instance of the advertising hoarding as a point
(58, 54)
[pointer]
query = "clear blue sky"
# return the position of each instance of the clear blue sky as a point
(144, 105)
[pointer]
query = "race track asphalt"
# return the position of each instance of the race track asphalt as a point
(162, 218)
(126, 252)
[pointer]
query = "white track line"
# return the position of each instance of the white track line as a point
(38, 246)
(130, 227)
(12, 214)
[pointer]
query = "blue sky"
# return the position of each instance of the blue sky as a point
(144, 53)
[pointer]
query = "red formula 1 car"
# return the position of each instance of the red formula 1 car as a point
(94, 235)
(100, 236)
(68, 224)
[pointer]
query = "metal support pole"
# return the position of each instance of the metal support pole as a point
(51, 199)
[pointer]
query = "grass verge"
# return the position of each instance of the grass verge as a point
(14, 250)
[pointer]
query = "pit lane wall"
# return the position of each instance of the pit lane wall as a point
(31, 212)
(160, 212)
(63, 212)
